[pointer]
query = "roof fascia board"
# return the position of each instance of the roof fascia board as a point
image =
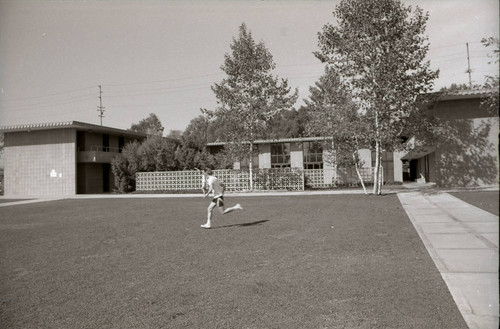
(70, 124)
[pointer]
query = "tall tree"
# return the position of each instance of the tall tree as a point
(379, 48)
(333, 114)
(249, 96)
(455, 87)
(150, 125)
(288, 124)
(196, 133)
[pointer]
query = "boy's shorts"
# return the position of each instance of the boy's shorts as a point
(219, 201)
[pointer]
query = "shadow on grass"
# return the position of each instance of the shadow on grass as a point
(259, 222)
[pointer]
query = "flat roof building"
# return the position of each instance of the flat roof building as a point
(468, 155)
(61, 158)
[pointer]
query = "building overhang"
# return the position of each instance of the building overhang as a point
(79, 126)
(418, 152)
(272, 141)
(457, 94)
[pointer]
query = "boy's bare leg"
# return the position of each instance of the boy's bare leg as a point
(208, 224)
(233, 208)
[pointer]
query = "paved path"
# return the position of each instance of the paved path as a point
(463, 242)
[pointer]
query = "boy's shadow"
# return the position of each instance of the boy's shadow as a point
(259, 222)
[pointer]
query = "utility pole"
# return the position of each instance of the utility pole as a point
(468, 66)
(100, 108)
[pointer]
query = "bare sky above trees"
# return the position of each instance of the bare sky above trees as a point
(162, 57)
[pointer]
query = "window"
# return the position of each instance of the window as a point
(245, 164)
(121, 143)
(280, 155)
(105, 142)
(313, 155)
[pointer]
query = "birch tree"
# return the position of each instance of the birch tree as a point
(249, 96)
(379, 49)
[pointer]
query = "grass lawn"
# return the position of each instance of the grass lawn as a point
(10, 200)
(343, 261)
(486, 200)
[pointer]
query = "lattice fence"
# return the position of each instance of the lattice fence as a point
(235, 180)
(315, 178)
(290, 179)
(331, 178)
(167, 181)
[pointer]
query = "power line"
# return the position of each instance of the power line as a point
(153, 91)
(143, 92)
(37, 105)
(48, 95)
(161, 81)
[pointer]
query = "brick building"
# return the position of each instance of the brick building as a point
(61, 158)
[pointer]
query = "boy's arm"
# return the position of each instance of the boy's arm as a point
(204, 187)
(207, 193)
(207, 188)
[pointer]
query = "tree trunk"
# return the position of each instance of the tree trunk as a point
(250, 165)
(377, 155)
(359, 174)
(380, 174)
(377, 168)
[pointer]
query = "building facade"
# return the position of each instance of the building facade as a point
(307, 153)
(468, 155)
(61, 158)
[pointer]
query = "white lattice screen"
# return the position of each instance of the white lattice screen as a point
(329, 178)
(291, 179)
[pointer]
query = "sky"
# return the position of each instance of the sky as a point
(162, 57)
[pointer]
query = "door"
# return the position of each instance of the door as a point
(106, 168)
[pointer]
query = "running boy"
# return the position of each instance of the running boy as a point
(213, 184)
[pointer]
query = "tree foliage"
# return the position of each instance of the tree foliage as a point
(378, 48)
(153, 154)
(288, 124)
(124, 167)
(333, 114)
(150, 125)
(491, 102)
(458, 86)
(250, 95)
(157, 154)
(195, 135)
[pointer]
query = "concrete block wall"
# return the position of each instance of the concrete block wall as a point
(296, 155)
(398, 166)
(265, 156)
(40, 162)
(469, 157)
(330, 171)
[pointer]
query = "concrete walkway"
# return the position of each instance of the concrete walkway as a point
(463, 242)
